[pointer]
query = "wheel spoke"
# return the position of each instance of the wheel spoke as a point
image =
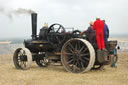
(82, 65)
(76, 48)
(79, 65)
(85, 54)
(81, 49)
(71, 46)
(52, 29)
(70, 57)
(87, 59)
(79, 45)
(24, 63)
(21, 63)
(24, 52)
(73, 62)
(66, 53)
(76, 68)
(85, 63)
(76, 63)
(70, 49)
(18, 60)
(58, 29)
(20, 53)
(84, 50)
(18, 57)
(70, 61)
(57, 39)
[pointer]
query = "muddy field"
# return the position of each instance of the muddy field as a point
(56, 75)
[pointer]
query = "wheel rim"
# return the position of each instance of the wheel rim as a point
(22, 58)
(77, 55)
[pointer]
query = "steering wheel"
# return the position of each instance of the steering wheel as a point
(55, 34)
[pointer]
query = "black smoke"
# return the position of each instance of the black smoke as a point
(12, 12)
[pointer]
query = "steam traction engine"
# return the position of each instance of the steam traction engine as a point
(54, 44)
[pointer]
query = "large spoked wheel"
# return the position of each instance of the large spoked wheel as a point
(77, 55)
(22, 58)
(56, 34)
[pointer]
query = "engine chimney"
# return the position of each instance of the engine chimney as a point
(34, 25)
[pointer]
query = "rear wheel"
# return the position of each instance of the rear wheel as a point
(77, 55)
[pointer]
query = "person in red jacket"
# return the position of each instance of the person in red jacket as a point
(98, 26)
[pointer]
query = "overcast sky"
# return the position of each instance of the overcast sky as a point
(69, 13)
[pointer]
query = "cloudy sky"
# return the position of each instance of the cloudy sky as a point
(69, 13)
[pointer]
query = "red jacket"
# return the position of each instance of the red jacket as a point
(98, 26)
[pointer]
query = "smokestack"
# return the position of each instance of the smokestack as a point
(34, 25)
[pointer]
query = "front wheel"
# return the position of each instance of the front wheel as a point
(22, 58)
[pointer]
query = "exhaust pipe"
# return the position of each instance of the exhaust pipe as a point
(34, 25)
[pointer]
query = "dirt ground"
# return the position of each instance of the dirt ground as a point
(56, 75)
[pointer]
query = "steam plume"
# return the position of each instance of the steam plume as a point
(10, 12)
(23, 11)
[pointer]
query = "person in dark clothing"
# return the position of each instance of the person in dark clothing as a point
(106, 31)
(90, 33)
